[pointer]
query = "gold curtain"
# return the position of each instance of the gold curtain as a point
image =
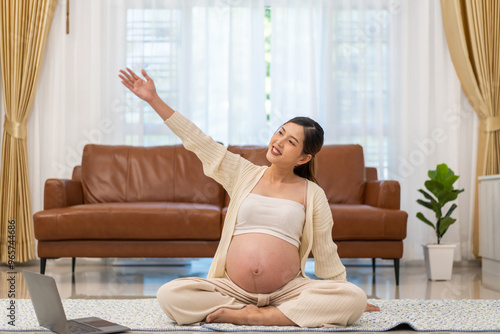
(24, 27)
(472, 30)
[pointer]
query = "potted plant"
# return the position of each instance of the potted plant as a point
(439, 257)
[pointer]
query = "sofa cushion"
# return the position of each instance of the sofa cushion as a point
(255, 154)
(130, 221)
(364, 222)
(145, 174)
(341, 173)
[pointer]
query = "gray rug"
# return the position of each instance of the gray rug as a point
(469, 315)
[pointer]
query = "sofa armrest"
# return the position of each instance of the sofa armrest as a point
(60, 193)
(383, 194)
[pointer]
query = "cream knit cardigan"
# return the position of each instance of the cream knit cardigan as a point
(239, 176)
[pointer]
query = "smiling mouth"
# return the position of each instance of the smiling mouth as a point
(275, 151)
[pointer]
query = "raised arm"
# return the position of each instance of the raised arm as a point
(218, 163)
(146, 90)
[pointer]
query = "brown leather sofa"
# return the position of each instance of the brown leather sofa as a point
(128, 201)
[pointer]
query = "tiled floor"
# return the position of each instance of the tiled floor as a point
(128, 278)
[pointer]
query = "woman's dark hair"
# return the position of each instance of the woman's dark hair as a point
(313, 141)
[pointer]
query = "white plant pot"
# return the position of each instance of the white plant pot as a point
(438, 261)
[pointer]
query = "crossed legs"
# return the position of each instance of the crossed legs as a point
(302, 302)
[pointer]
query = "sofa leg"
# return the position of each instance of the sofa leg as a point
(373, 265)
(43, 263)
(396, 270)
(73, 263)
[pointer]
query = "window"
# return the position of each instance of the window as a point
(360, 63)
(357, 83)
(152, 42)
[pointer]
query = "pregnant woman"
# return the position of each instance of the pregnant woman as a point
(277, 216)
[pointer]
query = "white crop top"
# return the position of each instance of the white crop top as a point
(282, 218)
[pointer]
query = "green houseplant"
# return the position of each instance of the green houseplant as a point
(440, 184)
(438, 257)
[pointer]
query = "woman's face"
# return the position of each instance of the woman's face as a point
(287, 146)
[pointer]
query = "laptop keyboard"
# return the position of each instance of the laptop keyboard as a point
(80, 328)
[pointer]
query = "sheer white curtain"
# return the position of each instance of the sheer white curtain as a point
(378, 73)
(373, 72)
(434, 123)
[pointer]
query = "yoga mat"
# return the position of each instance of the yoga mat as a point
(469, 315)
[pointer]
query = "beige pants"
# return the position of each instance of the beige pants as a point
(306, 302)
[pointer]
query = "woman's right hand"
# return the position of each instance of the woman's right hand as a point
(144, 89)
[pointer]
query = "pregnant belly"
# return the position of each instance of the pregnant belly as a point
(261, 263)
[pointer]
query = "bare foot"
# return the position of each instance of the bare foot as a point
(372, 308)
(238, 317)
(251, 315)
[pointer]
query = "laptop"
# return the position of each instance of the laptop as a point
(50, 312)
